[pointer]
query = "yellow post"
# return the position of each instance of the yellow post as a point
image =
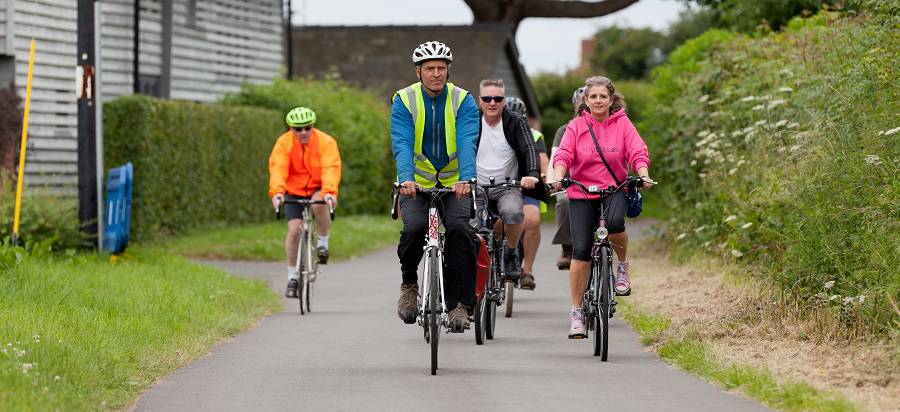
(15, 236)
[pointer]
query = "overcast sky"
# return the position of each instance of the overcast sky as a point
(552, 45)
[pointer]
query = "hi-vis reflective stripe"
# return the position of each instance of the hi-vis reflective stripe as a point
(411, 96)
(455, 96)
(443, 174)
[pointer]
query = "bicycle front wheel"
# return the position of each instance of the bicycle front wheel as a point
(602, 291)
(302, 271)
(434, 308)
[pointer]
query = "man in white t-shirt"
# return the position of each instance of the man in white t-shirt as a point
(506, 150)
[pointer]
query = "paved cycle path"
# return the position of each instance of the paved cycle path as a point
(353, 353)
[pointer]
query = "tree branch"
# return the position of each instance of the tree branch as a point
(573, 9)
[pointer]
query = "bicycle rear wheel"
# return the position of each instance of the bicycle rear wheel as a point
(490, 300)
(510, 288)
(434, 307)
(480, 314)
(602, 291)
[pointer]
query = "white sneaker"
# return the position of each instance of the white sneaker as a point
(576, 324)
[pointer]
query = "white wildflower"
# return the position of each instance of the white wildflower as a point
(889, 132)
(730, 218)
(793, 125)
(706, 244)
(703, 134)
(782, 149)
(873, 160)
(700, 229)
(37, 338)
(27, 367)
(775, 103)
(829, 284)
(746, 225)
(716, 113)
(732, 171)
(736, 253)
(681, 236)
(795, 148)
(760, 123)
(741, 162)
(56, 378)
(785, 89)
(848, 300)
(704, 98)
(834, 297)
(780, 123)
(693, 163)
(759, 107)
(862, 298)
(712, 136)
(748, 99)
(737, 133)
(702, 175)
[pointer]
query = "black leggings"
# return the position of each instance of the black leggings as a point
(584, 215)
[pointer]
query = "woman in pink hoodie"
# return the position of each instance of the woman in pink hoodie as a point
(603, 112)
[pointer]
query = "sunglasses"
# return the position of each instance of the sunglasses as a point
(302, 129)
(496, 99)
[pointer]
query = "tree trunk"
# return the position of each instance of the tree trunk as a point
(512, 12)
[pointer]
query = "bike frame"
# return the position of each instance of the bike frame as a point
(433, 255)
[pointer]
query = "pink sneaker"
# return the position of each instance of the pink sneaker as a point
(623, 283)
(576, 322)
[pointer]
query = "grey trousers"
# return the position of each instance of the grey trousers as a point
(563, 234)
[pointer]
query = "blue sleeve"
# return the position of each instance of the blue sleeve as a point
(467, 122)
(403, 140)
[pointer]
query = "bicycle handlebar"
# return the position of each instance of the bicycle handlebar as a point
(395, 196)
(305, 202)
(631, 181)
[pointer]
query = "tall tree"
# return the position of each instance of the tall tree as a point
(512, 12)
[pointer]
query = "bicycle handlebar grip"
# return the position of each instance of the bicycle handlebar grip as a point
(277, 213)
(394, 199)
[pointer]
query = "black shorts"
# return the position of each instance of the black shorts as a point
(584, 216)
(293, 210)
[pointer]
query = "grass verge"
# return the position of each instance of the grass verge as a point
(697, 358)
(350, 236)
(86, 333)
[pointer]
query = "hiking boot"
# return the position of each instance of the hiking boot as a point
(322, 253)
(576, 324)
(623, 283)
(565, 259)
(457, 319)
(406, 307)
(292, 287)
(513, 268)
(527, 282)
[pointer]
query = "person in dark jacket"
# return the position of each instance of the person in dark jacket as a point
(506, 150)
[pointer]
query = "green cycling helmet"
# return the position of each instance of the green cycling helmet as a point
(300, 116)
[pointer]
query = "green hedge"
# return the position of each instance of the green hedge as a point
(195, 165)
(782, 151)
(358, 120)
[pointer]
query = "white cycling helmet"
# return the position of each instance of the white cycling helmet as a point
(431, 50)
(516, 105)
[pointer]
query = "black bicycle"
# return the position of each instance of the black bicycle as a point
(499, 287)
(307, 263)
(432, 314)
(599, 300)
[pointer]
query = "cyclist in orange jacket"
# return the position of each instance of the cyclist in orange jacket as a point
(304, 163)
